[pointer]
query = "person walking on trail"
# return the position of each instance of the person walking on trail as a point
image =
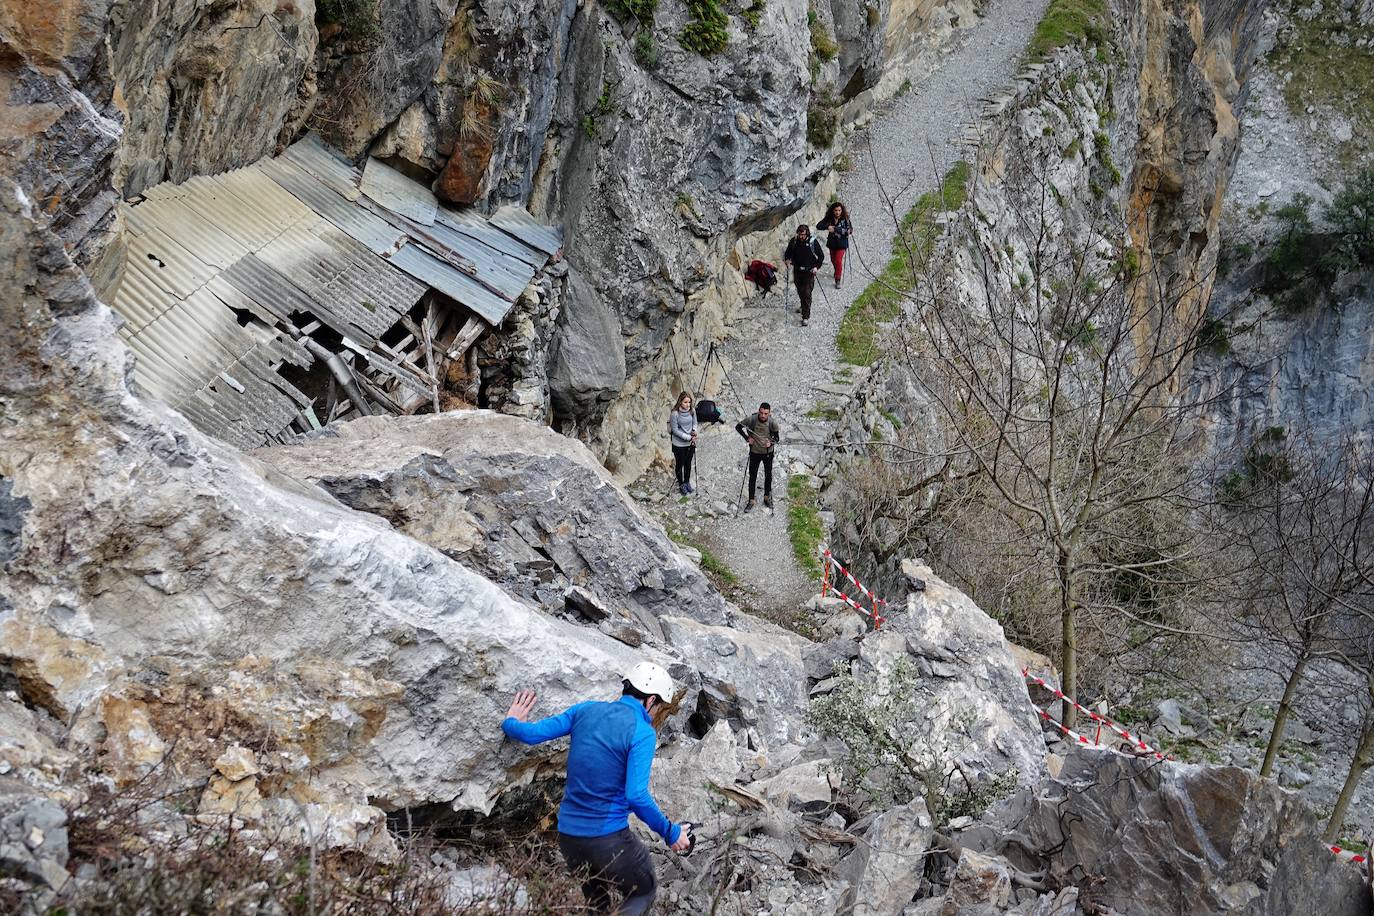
(839, 229)
(682, 432)
(804, 255)
(609, 757)
(761, 432)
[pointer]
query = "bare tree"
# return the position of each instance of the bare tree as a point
(1056, 362)
(1298, 512)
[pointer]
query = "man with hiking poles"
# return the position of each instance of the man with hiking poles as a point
(609, 757)
(761, 432)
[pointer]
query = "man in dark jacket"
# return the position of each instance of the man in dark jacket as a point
(806, 257)
(609, 757)
(761, 432)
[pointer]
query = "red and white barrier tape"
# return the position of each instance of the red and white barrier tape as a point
(1059, 725)
(1135, 740)
(878, 619)
(1354, 856)
(830, 560)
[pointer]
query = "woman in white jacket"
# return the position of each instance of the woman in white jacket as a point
(682, 431)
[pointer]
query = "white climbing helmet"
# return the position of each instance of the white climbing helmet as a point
(648, 678)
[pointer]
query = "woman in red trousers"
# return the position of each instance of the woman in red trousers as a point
(840, 229)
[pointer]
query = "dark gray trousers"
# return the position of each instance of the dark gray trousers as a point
(615, 862)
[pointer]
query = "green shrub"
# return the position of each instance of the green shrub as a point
(358, 17)
(822, 120)
(1214, 337)
(641, 11)
(804, 527)
(753, 13)
(822, 44)
(1064, 23)
(708, 31)
(1351, 218)
(646, 51)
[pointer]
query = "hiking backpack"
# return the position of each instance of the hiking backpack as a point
(708, 412)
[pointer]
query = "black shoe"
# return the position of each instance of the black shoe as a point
(768, 502)
(749, 506)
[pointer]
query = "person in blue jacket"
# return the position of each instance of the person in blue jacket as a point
(609, 757)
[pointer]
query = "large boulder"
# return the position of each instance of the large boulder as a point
(884, 871)
(527, 508)
(147, 551)
(1173, 838)
(587, 365)
(975, 714)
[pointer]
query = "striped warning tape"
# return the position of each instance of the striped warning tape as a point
(1074, 736)
(830, 560)
(1348, 855)
(1063, 728)
(878, 619)
(1135, 740)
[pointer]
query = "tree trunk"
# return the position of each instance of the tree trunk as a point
(1068, 669)
(1271, 752)
(1364, 756)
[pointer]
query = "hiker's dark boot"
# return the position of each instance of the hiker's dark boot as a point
(767, 500)
(749, 506)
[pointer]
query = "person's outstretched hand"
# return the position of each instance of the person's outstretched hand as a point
(522, 704)
(684, 842)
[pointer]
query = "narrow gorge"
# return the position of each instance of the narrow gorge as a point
(342, 336)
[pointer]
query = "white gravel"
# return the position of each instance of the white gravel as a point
(898, 157)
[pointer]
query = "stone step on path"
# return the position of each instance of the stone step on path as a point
(908, 147)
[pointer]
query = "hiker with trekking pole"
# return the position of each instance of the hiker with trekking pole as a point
(609, 758)
(839, 229)
(761, 432)
(682, 434)
(804, 256)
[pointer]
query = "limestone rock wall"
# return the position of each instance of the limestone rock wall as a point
(1136, 134)
(1310, 369)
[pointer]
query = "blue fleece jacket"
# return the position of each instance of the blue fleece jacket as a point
(609, 758)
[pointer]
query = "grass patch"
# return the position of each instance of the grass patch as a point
(822, 121)
(641, 11)
(358, 18)
(1330, 71)
(708, 32)
(824, 412)
(711, 564)
(822, 44)
(804, 526)
(1067, 22)
(881, 300)
(645, 51)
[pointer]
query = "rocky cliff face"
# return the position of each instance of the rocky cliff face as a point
(1303, 366)
(658, 161)
(1129, 136)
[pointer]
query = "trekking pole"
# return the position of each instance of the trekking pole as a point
(743, 479)
(786, 283)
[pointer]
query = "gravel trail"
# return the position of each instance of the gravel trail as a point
(899, 156)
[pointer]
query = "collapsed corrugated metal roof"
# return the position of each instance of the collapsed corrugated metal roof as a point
(227, 277)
